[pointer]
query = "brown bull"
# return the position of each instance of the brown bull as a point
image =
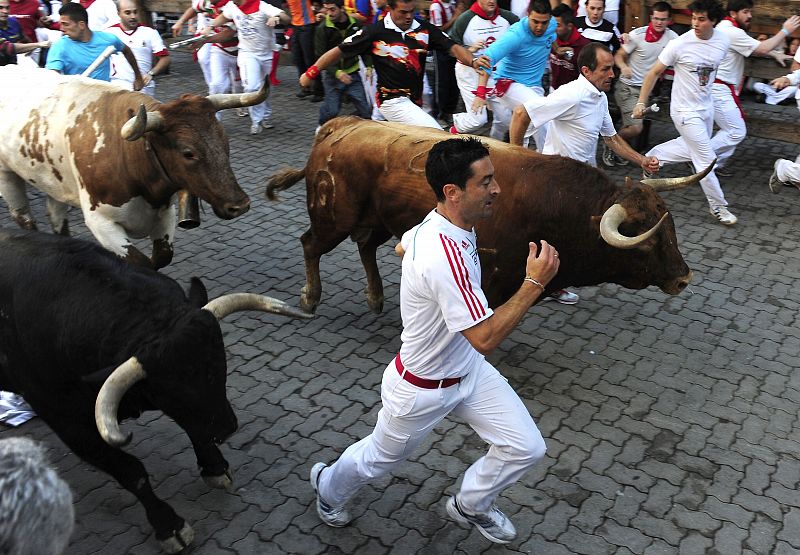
(366, 180)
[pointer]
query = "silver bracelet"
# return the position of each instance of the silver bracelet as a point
(534, 281)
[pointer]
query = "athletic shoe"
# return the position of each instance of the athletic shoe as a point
(607, 157)
(242, 112)
(494, 525)
(332, 516)
(453, 130)
(255, 129)
(564, 297)
(723, 215)
(267, 123)
(775, 184)
(303, 93)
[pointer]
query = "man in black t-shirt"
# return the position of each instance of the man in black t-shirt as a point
(398, 45)
(593, 27)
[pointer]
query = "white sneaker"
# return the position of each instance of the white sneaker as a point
(267, 124)
(242, 112)
(607, 157)
(564, 297)
(494, 525)
(332, 516)
(775, 184)
(255, 129)
(723, 215)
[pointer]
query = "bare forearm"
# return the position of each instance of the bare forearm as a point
(161, 65)
(492, 331)
(775, 41)
(622, 148)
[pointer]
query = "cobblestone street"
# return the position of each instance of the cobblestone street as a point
(671, 422)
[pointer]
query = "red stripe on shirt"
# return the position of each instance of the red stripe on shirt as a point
(461, 277)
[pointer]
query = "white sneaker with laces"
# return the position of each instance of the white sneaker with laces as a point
(607, 157)
(332, 516)
(723, 215)
(255, 129)
(494, 525)
(564, 297)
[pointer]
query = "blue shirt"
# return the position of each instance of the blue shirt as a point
(520, 55)
(13, 30)
(72, 57)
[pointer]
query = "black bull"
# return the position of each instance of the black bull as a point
(365, 180)
(89, 340)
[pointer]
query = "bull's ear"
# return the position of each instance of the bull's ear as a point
(198, 296)
(100, 376)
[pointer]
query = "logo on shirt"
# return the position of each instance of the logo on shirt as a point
(399, 53)
(704, 73)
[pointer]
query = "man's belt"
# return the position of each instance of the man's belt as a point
(422, 382)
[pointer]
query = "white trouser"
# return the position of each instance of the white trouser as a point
(402, 110)
(694, 145)
(469, 121)
(518, 94)
(483, 399)
(204, 59)
(221, 67)
(772, 96)
(789, 171)
(254, 68)
(728, 117)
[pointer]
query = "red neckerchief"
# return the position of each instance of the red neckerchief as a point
(477, 10)
(86, 3)
(651, 35)
(733, 21)
(250, 6)
(573, 38)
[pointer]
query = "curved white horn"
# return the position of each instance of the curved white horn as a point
(141, 123)
(107, 404)
(235, 302)
(609, 228)
(226, 101)
(672, 183)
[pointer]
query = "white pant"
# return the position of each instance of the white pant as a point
(789, 171)
(402, 110)
(728, 117)
(518, 94)
(774, 97)
(221, 70)
(483, 399)
(694, 145)
(469, 121)
(254, 69)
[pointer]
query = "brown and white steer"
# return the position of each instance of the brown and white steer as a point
(120, 156)
(366, 180)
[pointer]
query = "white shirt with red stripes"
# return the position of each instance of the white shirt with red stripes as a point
(440, 296)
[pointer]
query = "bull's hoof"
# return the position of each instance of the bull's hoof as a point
(178, 541)
(307, 304)
(26, 222)
(375, 303)
(223, 481)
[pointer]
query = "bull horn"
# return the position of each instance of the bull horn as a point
(227, 101)
(141, 123)
(107, 404)
(672, 183)
(235, 302)
(609, 228)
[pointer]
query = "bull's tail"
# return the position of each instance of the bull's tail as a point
(283, 180)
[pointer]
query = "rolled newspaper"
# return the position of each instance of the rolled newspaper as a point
(180, 43)
(100, 59)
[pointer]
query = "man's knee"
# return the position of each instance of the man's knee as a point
(527, 448)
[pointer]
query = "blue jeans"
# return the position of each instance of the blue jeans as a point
(335, 89)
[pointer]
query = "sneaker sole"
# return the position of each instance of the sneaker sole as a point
(453, 512)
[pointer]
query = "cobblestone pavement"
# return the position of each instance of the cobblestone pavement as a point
(671, 422)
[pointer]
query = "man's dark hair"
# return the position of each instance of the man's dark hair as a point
(603, 1)
(450, 161)
(75, 12)
(540, 6)
(393, 3)
(564, 13)
(738, 5)
(661, 7)
(588, 56)
(337, 3)
(711, 8)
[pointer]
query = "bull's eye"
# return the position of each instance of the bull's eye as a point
(189, 155)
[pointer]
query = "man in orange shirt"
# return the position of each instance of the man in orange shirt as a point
(303, 25)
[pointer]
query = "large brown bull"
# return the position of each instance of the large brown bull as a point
(366, 180)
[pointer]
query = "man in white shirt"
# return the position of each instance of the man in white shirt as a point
(725, 90)
(448, 329)
(787, 173)
(144, 42)
(638, 54)
(102, 13)
(255, 22)
(695, 57)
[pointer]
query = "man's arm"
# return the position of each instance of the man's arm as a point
(330, 57)
(539, 270)
(621, 60)
(22, 48)
(190, 13)
(777, 40)
(621, 147)
(138, 82)
(160, 67)
(647, 87)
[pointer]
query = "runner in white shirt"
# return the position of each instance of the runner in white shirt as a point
(144, 42)
(727, 110)
(255, 22)
(448, 329)
(695, 57)
(102, 13)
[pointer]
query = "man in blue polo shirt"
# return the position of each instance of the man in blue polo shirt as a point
(81, 46)
(520, 57)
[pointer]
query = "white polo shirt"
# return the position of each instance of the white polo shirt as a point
(144, 42)
(642, 55)
(731, 69)
(440, 296)
(577, 113)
